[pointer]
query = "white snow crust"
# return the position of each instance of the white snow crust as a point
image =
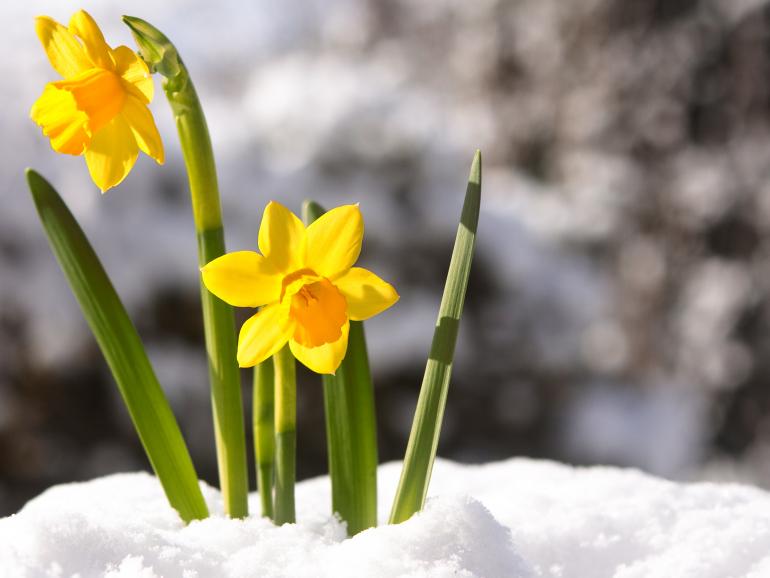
(515, 519)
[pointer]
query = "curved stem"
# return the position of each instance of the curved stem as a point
(218, 321)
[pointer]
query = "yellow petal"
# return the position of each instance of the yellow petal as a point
(263, 335)
(282, 238)
(111, 154)
(64, 51)
(143, 127)
(324, 358)
(243, 279)
(57, 114)
(334, 241)
(134, 71)
(83, 26)
(366, 294)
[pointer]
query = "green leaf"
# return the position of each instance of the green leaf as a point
(123, 351)
(351, 426)
(426, 428)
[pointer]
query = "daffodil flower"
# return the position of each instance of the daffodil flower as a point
(100, 108)
(306, 284)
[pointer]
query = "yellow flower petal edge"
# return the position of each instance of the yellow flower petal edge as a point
(243, 279)
(306, 284)
(99, 109)
(325, 358)
(366, 294)
(263, 335)
(282, 238)
(334, 241)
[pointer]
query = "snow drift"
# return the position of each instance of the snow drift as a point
(515, 519)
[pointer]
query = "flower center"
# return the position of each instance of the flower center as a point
(317, 307)
(99, 93)
(293, 281)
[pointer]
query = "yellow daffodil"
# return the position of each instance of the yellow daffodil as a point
(306, 284)
(100, 108)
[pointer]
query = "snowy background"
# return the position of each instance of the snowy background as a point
(617, 311)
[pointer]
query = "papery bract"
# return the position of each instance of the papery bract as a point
(306, 284)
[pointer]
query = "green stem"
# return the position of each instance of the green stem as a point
(264, 433)
(351, 426)
(218, 319)
(285, 435)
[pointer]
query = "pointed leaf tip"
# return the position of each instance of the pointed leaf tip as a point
(31, 175)
(475, 176)
(37, 184)
(311, 211)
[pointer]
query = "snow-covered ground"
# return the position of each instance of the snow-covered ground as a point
(513, 519)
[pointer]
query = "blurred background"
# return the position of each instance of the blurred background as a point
(618, 307)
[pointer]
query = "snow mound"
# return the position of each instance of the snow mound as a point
(525, 519)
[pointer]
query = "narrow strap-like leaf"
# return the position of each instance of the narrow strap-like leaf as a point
(423, 439)
(123, 350)
(351, 426)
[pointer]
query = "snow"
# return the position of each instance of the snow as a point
(518, 518)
